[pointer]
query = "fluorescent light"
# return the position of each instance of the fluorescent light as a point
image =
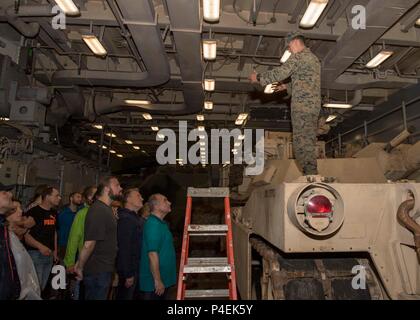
(97, 126)
(92, 141)
(241, 137)
(119, 155)
(155, 128)
(68, 7)
(331, 118)
(200, 117)
(112, 151)
(312, 13)
(338, 105)
(161, 136)
(209, 84)
(211, 10)
(136, 147)
(208, 105)
(286, 56)
(94, 45)
(137, 102)
(209, 49)
(111, 135)
(269, 89)
(201, 128)
(380, 58)
(128, 141)
(242, 116)
(147, 116)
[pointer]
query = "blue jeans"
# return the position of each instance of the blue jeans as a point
(43, 265)
(97, 285)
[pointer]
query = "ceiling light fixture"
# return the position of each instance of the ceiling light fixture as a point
(211, 10)
(200, 117)
(94, 45)
(209, 49)
(120, 156)
(209, 84)
(92, 141)
(269, 89)
(97, 126)
(136, 147)
(155, 128)
(147, 116)
(112, 151)
(112, 135)
(208, 105)
(379, 59)
(68, 7)
(128, 141)
(137, 102)
(331, 118)
(338, 105)
(313, 12)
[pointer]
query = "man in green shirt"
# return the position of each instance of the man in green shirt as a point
(157, 259)
(76, 238)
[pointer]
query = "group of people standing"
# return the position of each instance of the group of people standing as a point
(105, 235)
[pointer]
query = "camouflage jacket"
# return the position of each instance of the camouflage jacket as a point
(304, 68)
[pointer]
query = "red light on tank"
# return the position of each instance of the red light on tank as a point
(319, 205)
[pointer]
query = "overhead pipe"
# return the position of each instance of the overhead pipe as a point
(29, 30)
(403, 215)
(140, 19)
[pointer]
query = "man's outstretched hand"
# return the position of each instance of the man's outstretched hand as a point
(279, 87)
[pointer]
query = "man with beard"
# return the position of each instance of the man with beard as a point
(65, 220)
(97, 258)
(41, 240)
(9, 278)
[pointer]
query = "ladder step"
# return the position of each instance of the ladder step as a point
(208, 192)
(207, 229)
(198, 262)
(213, 293)
(208, 269)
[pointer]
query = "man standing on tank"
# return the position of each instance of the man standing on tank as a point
(304, 69)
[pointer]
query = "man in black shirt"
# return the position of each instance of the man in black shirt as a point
(41, 240)
(129, 231)
(9, 278)
(97, 258)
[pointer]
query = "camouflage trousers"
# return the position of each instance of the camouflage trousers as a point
(305, 125)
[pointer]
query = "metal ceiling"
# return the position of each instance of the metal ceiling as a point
(154, 53)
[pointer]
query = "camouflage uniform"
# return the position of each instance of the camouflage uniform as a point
(304, 69)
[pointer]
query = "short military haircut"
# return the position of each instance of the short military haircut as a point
(47, 192)
(104, 183)
(126, 194)
(300, 38)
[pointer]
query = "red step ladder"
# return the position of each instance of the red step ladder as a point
(207, 265)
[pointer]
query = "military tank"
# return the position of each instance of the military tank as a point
(350, 233)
